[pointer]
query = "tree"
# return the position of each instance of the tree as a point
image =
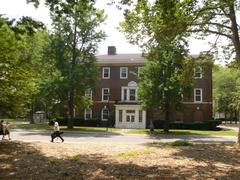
(76, 28)
(219, 18)
(163, 80)
(18, 79)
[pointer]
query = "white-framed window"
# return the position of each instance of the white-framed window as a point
(198, 72)
(106, 72)
(129, 94)
(123, 72)
(105, 94)
(120, 115)
(140, 115)
(88, 93)
(130, 115)
(132, 94)
(105, 113)
(198, 95)
(87, 114)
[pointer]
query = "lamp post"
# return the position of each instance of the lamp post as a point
(108, 95)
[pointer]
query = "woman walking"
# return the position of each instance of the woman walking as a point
(6, 130)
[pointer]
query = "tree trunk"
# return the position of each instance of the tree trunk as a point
(238, 141)
(234, 27)
(167, 118)
(71, 93)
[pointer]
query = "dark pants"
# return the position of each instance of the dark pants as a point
(57, 134)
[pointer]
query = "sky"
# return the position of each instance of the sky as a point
(19, 8)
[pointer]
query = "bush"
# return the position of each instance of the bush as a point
(193, 125)
(77, 122)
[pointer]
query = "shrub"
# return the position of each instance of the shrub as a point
(77, 122)
(193, 125)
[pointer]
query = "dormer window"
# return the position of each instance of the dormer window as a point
(123, 72)
(106, 73)
(198, 72)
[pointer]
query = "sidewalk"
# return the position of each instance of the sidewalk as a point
(116, 138)
(234, 127)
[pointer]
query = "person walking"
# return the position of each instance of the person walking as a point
(6, 130)
(56, 132)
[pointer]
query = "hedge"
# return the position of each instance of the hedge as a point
(194, 125)
(77, 122)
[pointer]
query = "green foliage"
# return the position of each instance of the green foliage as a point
(18, 75)
(218, 19)
(226, 90)
(197, 125)
(166, 75)
(74, 45)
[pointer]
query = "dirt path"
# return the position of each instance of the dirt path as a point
(111, 161)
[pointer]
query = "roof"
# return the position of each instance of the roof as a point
(120, 58)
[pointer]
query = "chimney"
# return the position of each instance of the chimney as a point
(112, 50)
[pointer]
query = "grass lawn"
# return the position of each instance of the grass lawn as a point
(119, 161)
(185, 132)
(24, 124)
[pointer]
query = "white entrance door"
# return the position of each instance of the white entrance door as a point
(130, 116)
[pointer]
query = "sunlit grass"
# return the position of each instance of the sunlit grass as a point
(185, 132)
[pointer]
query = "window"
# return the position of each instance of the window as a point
(198, 73)
(88, 93)
(105, 94)
(88, 114)
(105, 114)
(123, 72)
(120, 115)
(125, 94)
(130, 115)
(106, 73)
(132, 94)
(129, 94)
(198, 95)
(140, 115)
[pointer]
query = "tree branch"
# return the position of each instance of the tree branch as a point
(211, 31)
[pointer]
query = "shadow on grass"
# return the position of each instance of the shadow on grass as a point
(210, 154)
(72, 134)
(25, 161)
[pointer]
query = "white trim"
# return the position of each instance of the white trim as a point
(131, 124)
(128, 94)
(197, 102)
(201, 95)
(108, 93)
(121, 68)
(109, 72)
(120, 61)
(102, 114)
(201, 71)
(85, 113)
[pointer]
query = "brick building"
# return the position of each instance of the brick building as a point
(116, 92)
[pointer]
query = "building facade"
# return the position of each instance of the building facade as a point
(116, 93)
